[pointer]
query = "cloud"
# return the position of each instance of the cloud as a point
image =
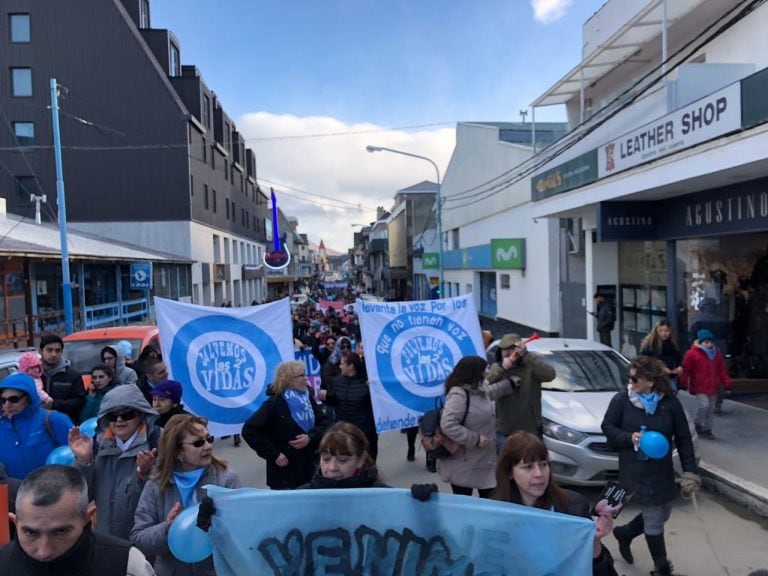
(547, 11)
(323, 175)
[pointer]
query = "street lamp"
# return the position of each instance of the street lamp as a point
(439, 203)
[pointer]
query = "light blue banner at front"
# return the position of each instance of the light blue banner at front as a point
(384, 531)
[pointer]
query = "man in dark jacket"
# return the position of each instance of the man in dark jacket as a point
(62, 382)
(53, 532)
(605, 319)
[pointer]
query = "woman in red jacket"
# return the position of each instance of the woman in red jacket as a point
(704, 372)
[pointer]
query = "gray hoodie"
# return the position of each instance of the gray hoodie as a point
(112, 479)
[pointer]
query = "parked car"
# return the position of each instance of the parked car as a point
(589, 374)
(9, 360)
(83, 349)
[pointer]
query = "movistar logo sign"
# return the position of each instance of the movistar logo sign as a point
(430, 261)
(508, 253)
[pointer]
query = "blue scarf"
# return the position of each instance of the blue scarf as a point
(650, 401)
(710, 352)
(301, 408)
(186, 482)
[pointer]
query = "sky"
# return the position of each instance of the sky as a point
(310, 83)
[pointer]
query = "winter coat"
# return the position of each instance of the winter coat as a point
(25, 440)
(268, 432)
(605, 319)
(112, 479)
(471, 466)
(521, 410)
(93, 402)
(162, 420)
(670, 354)
(149, 533)
(367, 478)
(351, 399)
(124, 374)
(651, 480)
(65, 385)
(702, 375)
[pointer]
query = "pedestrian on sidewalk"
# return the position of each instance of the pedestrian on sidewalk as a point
(704, 375)
(661, 343)
(648, 404)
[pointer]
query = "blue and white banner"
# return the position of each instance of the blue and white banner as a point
(410, 348)
(369, 531)
(224, 358)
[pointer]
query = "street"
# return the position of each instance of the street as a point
(716, 538)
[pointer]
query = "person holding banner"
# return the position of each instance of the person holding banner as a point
(344, 460)
(185, 464)
(468, 419)
(649, 403)
(523, 477)
(286, 430)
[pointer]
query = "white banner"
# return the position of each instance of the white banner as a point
(410, 348)
(702, 120)
(224, 358)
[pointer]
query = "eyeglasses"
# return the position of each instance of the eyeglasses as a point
(125, 415)
(15, 399)
(200, 442)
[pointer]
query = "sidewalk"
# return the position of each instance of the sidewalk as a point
(736, 462)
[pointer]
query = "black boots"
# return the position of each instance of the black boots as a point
(658, 550)
(625, 534)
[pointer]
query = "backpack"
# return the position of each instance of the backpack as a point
(434, 442)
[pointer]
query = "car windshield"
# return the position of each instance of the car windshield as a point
(586, 370)
(85, 354)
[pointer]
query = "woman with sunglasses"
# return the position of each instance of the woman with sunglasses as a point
(102, 381)
(523, 477)
(649, 404)
(117, 463)
(185, 464)
(28, 432)
(287, 428)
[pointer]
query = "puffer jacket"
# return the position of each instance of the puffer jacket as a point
(148, 533)
(112, 479)
(702, 375)
(351, 398)
(65, 385)
(471, 466)
(25, 440)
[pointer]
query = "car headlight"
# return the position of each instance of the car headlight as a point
(562, 433)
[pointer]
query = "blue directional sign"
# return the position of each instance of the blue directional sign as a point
(141, 275)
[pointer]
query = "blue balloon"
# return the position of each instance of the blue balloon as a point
(89, 427)
(61, 455)
(654, 444)
(186, 541)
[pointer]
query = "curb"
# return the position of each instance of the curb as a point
(736, 489)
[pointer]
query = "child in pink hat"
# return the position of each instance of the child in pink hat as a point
(31, 365)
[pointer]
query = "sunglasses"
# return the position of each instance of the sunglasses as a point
(125, 415)
(200, 442)
(10, 399)
(633, 378)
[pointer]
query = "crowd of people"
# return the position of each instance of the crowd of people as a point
(149, 458)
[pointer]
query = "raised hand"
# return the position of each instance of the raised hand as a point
(144, 461)
(81, 445)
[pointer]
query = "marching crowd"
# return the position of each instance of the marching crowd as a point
(110, 510)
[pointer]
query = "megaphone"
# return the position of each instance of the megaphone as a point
(531, 338)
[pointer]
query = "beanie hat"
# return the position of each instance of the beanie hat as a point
(704, 334)
(29, 360)
(509, 340)
(167, 389)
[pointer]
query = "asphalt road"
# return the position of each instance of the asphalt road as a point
(709, 538)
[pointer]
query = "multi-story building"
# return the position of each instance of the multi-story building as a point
(150, 155)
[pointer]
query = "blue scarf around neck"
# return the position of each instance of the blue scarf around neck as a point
(186, 482)
(710, 352)
(650, 401)
(301, 408)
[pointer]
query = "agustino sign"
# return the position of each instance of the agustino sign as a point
(702, 120)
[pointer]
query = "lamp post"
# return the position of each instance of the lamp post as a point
(439, 203)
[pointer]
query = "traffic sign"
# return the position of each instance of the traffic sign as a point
(141, 275)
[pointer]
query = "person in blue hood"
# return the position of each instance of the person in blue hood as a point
(28, 432)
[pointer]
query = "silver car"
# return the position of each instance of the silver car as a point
(9, 360)
(589, 374)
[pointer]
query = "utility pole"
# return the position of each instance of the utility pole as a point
(66, 285)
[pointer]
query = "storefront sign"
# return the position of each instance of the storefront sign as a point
(577, 172)
(626, 221)
(471, 258)
(430, 261)
(141, 275)
(508, 253)
(702, 120)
